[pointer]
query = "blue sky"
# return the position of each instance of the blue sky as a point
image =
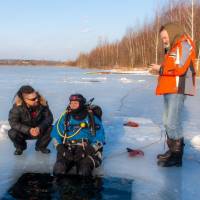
(61, 29)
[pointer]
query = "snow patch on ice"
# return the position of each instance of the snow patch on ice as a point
(97, 78)
(126, 80)
(140, 81)
(4, 127)
(195, 142)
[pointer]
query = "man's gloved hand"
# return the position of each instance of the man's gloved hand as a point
(65, 151)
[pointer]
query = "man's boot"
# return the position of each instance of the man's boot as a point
(18, 151)
(175, 159)
(43, 150)
(167, 154)
(18, 140)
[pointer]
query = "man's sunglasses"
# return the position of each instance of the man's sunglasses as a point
(33, 99)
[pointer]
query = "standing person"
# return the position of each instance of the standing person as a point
(176, 80)
(78, 137)
(30, 118)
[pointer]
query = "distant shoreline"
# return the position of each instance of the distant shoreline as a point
(19, 62)
(32, 62)
(39, 63)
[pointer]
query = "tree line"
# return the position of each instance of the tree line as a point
(141, 46)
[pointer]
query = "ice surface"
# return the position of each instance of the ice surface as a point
(123, 97)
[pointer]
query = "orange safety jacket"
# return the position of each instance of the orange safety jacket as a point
(177, 72)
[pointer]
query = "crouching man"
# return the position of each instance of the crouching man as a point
(30, 118)
(79, 137)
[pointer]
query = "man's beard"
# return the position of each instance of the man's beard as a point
(34, 106)
(166, 48)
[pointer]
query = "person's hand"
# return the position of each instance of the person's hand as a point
(155, 67)
(35, 131)
(32, 132)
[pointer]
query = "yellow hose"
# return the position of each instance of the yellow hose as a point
(82, 125)
(57, 125)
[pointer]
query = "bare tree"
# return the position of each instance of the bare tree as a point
(156, 37)
(129, 42)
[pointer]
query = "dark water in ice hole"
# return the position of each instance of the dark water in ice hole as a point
(44, 186)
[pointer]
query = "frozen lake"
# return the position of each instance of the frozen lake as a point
(122, 97)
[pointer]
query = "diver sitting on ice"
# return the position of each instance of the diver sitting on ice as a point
(78, 137)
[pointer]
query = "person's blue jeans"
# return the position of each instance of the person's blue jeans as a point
(173, 107)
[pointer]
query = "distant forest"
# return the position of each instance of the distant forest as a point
(141, 45)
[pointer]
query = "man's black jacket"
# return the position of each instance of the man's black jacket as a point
(21, 120)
